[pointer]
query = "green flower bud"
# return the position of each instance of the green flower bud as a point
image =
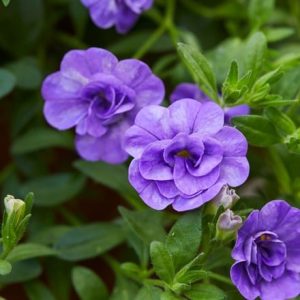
(14, 206)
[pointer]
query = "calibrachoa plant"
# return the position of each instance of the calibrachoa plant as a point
(166, 142)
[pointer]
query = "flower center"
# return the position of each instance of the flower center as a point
(183, 153)
(265, 237)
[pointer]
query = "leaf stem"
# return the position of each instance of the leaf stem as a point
(220, 278)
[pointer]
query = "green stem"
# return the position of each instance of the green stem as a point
(280, 172)
(220, 278)
(151, 41)
(170, 21)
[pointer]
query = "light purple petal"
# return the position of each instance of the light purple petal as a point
(108, 147)
(57, 88)
(239, 110)
(188, 90)
(64, 115)
(152, 164)
(135, 177)
(136, 140)
(184, 204)
(240, 278)
(167, 188)
(234, 170)
(125, 19)
(139, 6)
(285, 287)
(182, 115)
(154, 119)
(210, 119)
(91, 125)
(189, 184)
(212, 191)
(233, 141)
(153, 198)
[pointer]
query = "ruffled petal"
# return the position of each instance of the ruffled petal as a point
(234, 170)
(240, 278)
(135, 177)
(184, 204)
(210, 119)
(233, 141)
(167, 188)
(136, 140)
(152, 164)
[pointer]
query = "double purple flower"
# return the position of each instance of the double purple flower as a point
(99, 96)
(184, 155)
(267, 253)
(190, 90)
(120, 13)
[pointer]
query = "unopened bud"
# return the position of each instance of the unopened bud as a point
(227, 197)
(227, 224)
(16, 206)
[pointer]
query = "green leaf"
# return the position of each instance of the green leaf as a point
(6, 2)
(255, 53)
(88, 285)
(36, 290)
(88, 241)
(258, 130)
(41, 138)
(67, 185)
(260, 11)
(162, 262)
(5, 267)
(183, 240)
(124, 289)
(22, 271)
(7, 82)
(29, 250)
(113, 176)
(278, 34)
(149, 293)
(27, 74)
(205, 291)
(200, 69)
(283, 123)
(147, 224)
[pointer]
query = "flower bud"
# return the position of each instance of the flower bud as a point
(227, 197)
(14, 206)
(228, 224)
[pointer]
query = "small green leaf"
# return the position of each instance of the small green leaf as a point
(200, 69)
(283, 123)
(88, 241)
(162, 262)
(255, 53)
(6, 2)
(149, 293)
(278, 34)
(5, 267)
(36, 290)
(204, 291)
(183, 240)
(67, 185)
(147, 224)
(7, 82)
(22, 271)
(29, 250)
(124, 289)
(41, 138)
(260, 11)
(88, 285)
(258, 130)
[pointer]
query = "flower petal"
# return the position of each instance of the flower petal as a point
(153, 198)
(184, 204)
(234, 170)
(167, 188)
(135, 177)
(210, 119)
(233, 141)
(240, 278)
(152, 164)
(136, 140)
(188, 90)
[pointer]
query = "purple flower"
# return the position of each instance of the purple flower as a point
(99, 96)
(120, 13)
(190, 90)
(267, 253)
(184, 155)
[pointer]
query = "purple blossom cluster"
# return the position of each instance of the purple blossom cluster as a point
(267, 253)
(122, 14)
